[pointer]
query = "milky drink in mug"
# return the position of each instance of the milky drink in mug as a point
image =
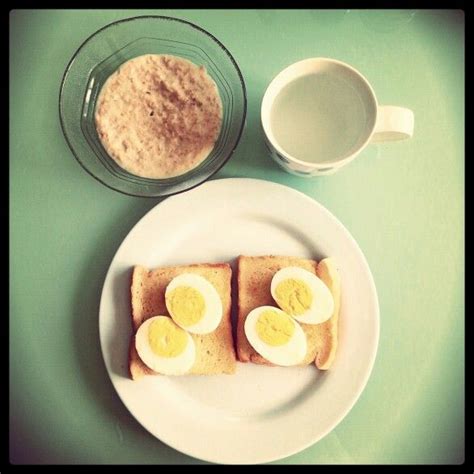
(319, 114)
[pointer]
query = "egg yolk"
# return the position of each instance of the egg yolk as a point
(166, 339)
(293, 296)
(186, 305)
(274, 328)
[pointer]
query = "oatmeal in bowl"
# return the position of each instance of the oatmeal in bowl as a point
(152, 105)
(159, 116)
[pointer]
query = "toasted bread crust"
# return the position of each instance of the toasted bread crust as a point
(328, 340)
(215, 352)
(254, 275)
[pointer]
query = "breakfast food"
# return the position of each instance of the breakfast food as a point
(158, 116)
(275, 335)
(193, 303)
(302, 295)
(164, 347)
(190, 288)
(255, 277)
(288, 311)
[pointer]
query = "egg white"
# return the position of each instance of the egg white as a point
(213, 310)
(178, 365)
(322, 306)
(291, 353)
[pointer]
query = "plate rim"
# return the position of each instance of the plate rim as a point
(374, 301)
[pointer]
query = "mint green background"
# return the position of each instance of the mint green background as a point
(403, 203)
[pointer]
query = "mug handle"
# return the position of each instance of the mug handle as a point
(393, 123)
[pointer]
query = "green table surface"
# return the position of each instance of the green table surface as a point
(403, 202)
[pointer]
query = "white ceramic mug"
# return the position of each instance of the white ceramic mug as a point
(338, 89)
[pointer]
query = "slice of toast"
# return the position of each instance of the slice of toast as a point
(215, 352)
(254, 276)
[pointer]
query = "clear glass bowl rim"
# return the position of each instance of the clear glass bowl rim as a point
(205, 177)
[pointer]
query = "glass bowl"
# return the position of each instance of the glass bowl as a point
(103, 52)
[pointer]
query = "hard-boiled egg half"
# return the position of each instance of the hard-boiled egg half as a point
(164, 347)
(275, 335)
(302, 295)
(193, 303)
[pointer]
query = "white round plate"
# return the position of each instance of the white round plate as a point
(259, 414)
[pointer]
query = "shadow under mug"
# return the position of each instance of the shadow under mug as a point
(381, 123)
